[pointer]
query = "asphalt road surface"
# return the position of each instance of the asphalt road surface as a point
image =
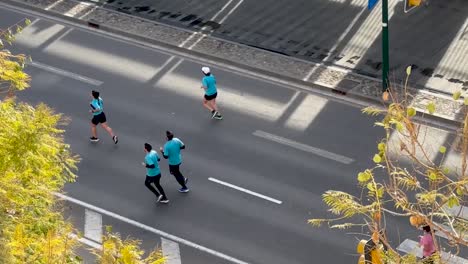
(255, 177)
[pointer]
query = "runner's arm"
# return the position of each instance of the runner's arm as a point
(163, 152)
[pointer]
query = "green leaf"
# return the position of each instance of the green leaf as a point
(465, 101)
(364, 177)
(381, 146)
(27, 22)
(433, 176)
(411, 111)
(431, 108)
(453, 201)
(456, 95)
(459, 191)
(442, 149)
(446, 170)
(377, 158)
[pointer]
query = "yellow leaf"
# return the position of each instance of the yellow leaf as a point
(377, 158)
(408, 70)
(442, 149)
(363, 177)
(453, 201)
(411, 111)
(432, 176)
(431, 108)
(381, 146)
(456, 95)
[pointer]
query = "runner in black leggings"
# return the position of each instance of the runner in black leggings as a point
(153, 174)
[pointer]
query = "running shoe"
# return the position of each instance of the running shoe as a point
(159, 198)
(165, 201)
(218, 116)
(184, 190)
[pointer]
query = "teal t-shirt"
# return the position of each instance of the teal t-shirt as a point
(97, 104)
(210, 83)
(172, 151)
(150, 159)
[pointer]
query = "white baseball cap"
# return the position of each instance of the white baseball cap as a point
(205, 70)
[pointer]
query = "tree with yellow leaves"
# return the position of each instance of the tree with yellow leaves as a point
(35, 163)
(407, 181)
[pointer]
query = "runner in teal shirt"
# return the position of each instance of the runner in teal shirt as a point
(211, 92)
(171, 151)
(153, 174)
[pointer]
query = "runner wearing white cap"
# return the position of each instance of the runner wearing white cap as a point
(209, 100)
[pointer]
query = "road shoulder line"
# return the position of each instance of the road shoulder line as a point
(150, 229)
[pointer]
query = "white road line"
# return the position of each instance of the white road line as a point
(87, 242)
(170, 251)
(151, 229)
(303, 147)
(93, 226)
(65, 73)
(412, 247)
(245, 190)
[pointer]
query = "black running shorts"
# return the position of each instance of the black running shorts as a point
(210, 97)
(101, 118)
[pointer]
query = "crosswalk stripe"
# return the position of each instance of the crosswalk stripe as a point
(412, 247)
(93, 226)
(171, 251)
(460, 211)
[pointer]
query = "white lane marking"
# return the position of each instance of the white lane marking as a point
(170, 251)
(412, 247)
(151, 229)
(87, 242)
(93, 225)
(65, 73)
(245, 190)
(303, 147)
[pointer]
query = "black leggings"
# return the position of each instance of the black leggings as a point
(155, 180)
(174, 169)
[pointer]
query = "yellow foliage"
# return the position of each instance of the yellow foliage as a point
(35, 162)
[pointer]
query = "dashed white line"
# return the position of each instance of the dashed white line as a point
(303, 147)
(151, 229)
(245, 190)
(64, 73)
(93, 225)
(170, 251)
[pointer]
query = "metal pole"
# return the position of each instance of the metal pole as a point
(385, 44)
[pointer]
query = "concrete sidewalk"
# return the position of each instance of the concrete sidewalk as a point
(274, 66)
(433, 38)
